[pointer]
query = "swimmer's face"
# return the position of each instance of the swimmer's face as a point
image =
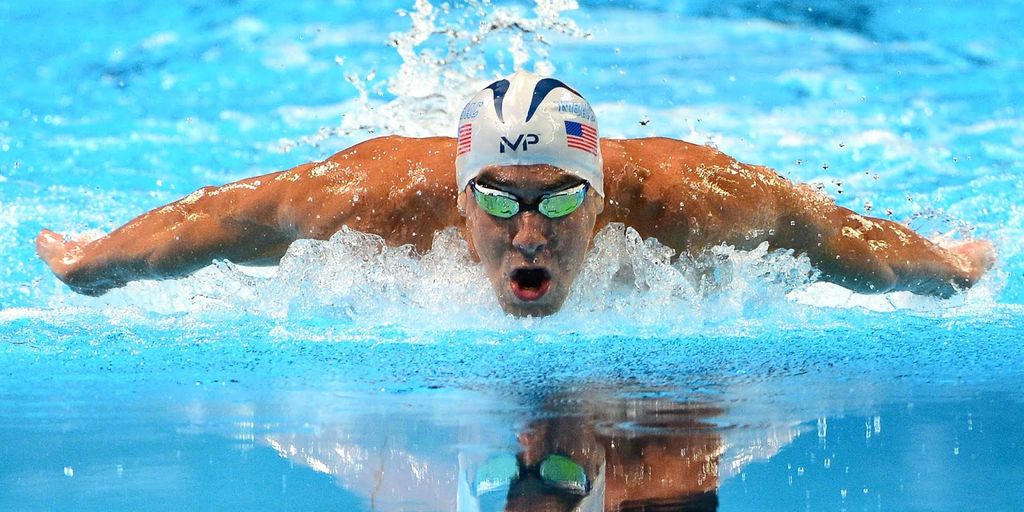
(531, 260)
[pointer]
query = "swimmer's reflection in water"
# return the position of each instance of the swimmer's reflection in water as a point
(528, 182)
(581, 451)
(622, 455)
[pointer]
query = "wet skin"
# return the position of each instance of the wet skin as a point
(689, 197)
(531, 260)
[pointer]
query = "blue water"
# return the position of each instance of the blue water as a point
(344, 379)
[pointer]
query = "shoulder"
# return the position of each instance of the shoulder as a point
(655, 148)
(393, 147)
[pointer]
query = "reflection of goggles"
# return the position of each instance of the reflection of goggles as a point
(505, 205)
(556, 471)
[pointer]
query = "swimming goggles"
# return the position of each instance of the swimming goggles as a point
(556, 471)
(504, 205)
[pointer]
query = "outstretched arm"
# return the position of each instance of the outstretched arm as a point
(399, 188)
(238, 221)
(873, 255)
(691, 197)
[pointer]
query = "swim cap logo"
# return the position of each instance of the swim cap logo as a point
(581, 110)
(530, 138)
(471, 111)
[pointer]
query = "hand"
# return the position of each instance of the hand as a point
(975, 258)
(65, 259)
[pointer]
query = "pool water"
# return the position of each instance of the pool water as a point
(361, 377)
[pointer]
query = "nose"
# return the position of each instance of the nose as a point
(530, 236)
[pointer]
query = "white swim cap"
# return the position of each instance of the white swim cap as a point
(525, 119)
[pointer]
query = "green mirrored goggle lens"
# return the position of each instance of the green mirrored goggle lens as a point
(497, 474)
(496, 203)
(562, 203)
(564, 473)
(504, 205)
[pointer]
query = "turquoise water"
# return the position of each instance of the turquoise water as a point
(348, 378)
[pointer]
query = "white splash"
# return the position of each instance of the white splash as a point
(356, 280)
(449, 52)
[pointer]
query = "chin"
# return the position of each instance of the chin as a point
(530, 310)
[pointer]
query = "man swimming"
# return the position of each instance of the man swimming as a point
(532, 182)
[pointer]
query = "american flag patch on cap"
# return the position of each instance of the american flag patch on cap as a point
(581, 136)
(465, 138)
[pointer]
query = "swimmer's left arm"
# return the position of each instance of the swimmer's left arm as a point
(872, 255)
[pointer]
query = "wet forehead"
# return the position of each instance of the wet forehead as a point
(527, 179)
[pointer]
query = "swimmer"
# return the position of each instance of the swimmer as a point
(527, 182)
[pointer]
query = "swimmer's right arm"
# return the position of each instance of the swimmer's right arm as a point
(240, 221)
(253, 221)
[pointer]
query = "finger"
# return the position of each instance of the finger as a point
(49, 246)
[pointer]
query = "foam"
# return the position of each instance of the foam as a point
(354, 281)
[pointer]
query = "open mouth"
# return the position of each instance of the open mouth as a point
(529, 284)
